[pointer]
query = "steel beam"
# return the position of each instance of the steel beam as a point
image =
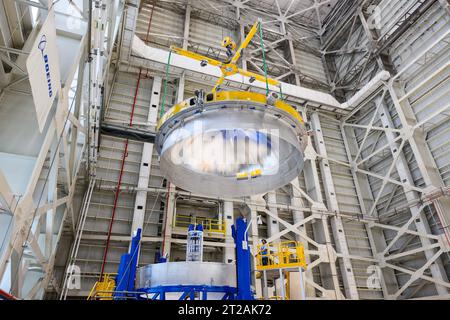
(336, 223)
(146, 161)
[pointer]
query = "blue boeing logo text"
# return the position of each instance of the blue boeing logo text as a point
(41, 46)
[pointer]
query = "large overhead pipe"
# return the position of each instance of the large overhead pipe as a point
(367, 91)
(178, 61)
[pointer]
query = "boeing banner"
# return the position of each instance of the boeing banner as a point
(43, 70)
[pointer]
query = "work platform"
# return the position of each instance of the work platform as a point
(278, 261)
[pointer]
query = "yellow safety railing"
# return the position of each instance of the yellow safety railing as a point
(209, 225)
(290, 254)
(103, 290)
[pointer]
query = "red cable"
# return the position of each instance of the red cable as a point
(149, 23)
(6, 295)
(119, 182)
(125, 154)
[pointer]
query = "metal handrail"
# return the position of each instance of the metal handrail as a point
(289, 254)
(209, 224)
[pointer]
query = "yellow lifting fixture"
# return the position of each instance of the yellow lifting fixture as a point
(229, 67)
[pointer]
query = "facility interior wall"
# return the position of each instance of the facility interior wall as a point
(427, 98)
(167, 28)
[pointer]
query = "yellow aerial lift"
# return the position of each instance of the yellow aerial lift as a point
(280, 259)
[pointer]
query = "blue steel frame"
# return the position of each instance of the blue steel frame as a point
(128, 264)
(127, 268)
(243, 271)
(188, 292)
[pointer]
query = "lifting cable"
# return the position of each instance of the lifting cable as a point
(165, 85)
(265, 63)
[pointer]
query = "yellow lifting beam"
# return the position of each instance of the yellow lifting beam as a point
(229, 69)
(246, 41)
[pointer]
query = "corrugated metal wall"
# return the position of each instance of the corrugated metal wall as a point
(355, 231)
(167, 29)
(310, 65)
(430, 97)
(436, 93)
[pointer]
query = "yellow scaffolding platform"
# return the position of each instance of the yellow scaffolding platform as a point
(209, 225)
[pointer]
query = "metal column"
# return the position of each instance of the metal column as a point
(230, 255)
(336, 222)
(272, 224)
(146, 161)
